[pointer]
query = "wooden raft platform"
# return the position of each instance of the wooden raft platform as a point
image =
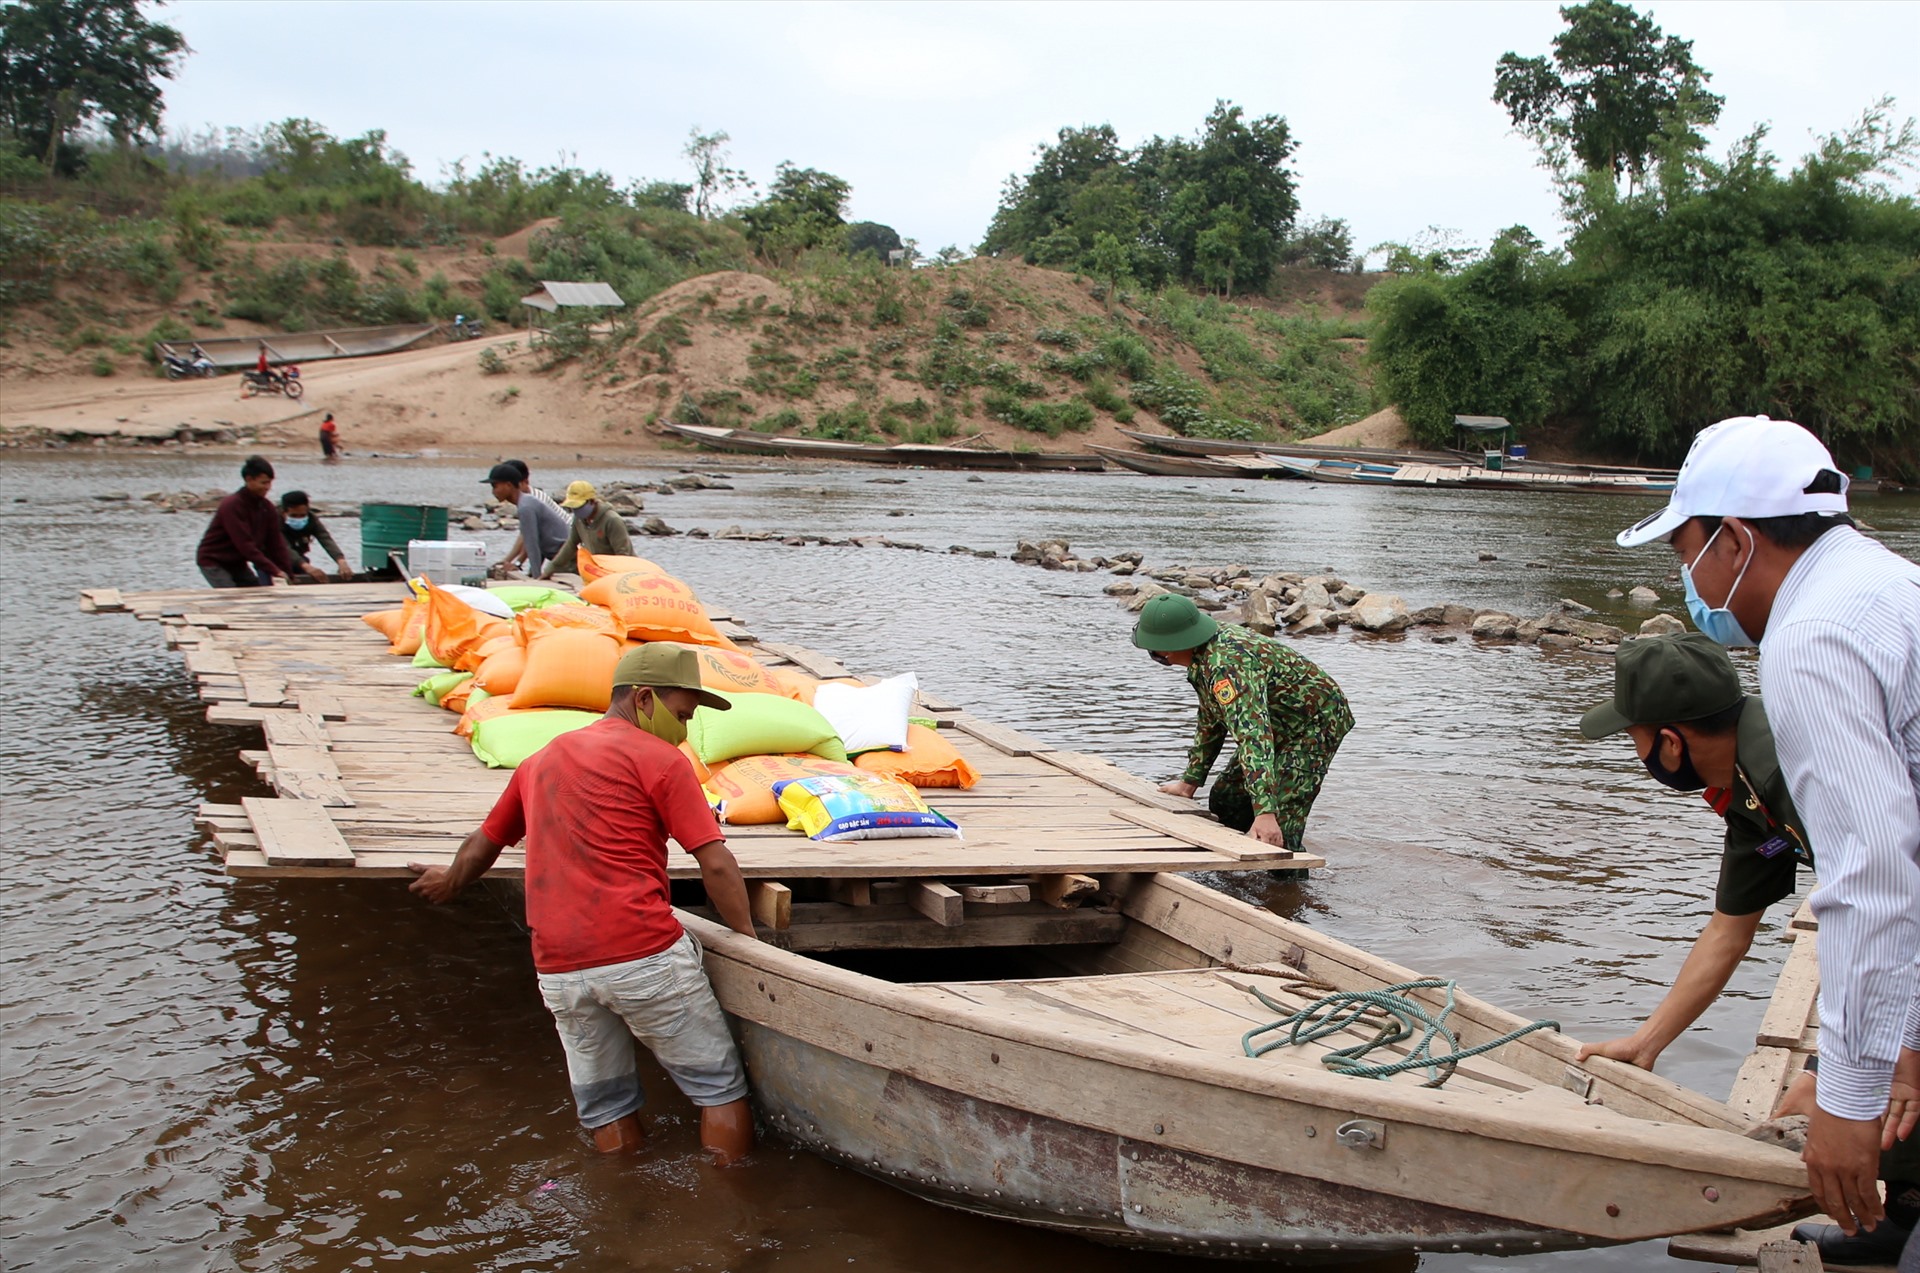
(368, 779)
(1789, 1034)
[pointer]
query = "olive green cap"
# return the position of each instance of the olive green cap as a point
(666, 667)
(1170, 621)
(1666, 680)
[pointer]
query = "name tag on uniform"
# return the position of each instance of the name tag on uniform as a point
(1775, 847)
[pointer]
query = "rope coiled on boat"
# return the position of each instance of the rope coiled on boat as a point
(1405, 1017)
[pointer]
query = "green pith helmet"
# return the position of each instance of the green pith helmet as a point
(1170, 621)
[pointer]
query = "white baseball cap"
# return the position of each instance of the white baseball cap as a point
(1748, 466)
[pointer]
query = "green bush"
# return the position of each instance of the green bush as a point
(850, 423)
(1050, 418)
(102, 365)
(781, 421)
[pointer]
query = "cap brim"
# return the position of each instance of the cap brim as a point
(710, 699)
(1604, 720)
(1656, 526)
(568, 503)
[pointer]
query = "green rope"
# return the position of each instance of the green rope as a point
(1333, 1013)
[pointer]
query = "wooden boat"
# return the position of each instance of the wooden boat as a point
(1062, 1050)
(1173, 444)
(919, 455)
(1240, 466)
(1100, 1088)
(297, 347)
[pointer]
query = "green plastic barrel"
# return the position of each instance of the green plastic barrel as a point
(386, 528)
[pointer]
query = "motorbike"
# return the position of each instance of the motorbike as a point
(284, 380)
(464, 328)
(178, 368)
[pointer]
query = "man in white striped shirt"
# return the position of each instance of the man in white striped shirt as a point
(1758, 520)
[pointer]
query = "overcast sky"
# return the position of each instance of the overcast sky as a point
(926, 108)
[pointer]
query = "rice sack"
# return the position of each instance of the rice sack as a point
(504, 741)
(761, 725)
(655, 607)
(746, 785)
(868, 717)
(859, 807)
(928, 761)
(594, 567)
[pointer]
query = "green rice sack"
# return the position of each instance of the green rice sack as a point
(761, 725)
(503, 742)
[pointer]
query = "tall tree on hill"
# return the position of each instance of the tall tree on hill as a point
(1614, 80)
(713, 178)
(65, 63)
(1041, 204)
(1224, 201)
(805, 208)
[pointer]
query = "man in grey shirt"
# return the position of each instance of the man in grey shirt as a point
(1759, 521)
(543, 527)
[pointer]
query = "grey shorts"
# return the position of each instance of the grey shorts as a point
(667, 1003)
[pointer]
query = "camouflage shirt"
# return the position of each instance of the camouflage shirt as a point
(1271, 700)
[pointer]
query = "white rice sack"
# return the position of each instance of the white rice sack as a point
(869, 717)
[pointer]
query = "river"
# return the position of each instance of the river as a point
(206, 1074)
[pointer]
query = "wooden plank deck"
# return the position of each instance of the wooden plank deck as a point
(377, 778)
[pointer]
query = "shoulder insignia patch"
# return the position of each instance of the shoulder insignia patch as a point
(1223, 691)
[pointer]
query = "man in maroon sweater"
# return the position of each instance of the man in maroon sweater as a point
(244, 546)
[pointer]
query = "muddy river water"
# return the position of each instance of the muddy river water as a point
(205, 1074)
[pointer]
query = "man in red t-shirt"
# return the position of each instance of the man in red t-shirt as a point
(596, 807)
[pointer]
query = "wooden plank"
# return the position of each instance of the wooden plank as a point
(1064, 891)
(1207, 835)
(937, 902)
(1762, 1078)
(320, 704)
(264, 690)
(1103, 773)
(979, 932)
(1803, 919)
(996, 894)
(812, 662)
(771, 903)
(294, 729)
(211, 661)
(1794, 997)
(850, 892)
(238, 714)
(1789, 1257)
(1010, 741)
(101, 600)
(296, 833)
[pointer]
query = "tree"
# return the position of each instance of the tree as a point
(1111, 261)
(1606, 97)
(1040, 204)
(64, 63)
(712, 178)
(1325, 244)
(1230, 185)
(803, 209)
(872, 238)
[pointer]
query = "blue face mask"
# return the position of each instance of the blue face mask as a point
(296, 523)
(1717, 622)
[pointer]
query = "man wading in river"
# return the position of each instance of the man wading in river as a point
(1285, 715)
(596, 807)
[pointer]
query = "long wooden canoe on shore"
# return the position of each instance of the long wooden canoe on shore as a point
(313, 346)
(1241, 466)
(913, 454)
(1041, 1022)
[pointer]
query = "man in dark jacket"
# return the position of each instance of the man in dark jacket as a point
(303, 529)
(243, 546)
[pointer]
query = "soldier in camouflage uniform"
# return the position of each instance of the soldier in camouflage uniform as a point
(1285, 715)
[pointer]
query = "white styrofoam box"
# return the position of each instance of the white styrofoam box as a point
(447, 560)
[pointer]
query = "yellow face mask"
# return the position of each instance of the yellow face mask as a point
(663, 724)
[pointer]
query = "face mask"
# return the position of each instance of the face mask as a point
(1683, 777)
(1716, 622)
(663, 724)
(1160, 658)
(584, 513)
(296, 523)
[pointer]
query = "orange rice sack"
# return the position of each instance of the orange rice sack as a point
(655, 608)
(502, 670)
(455, 631)
(568, 667)
(592, 567)
(700, 769)
(412, 628)
(455, 699)
(387, 622)
(745, 785)
(928, 761)
(734, 671)
(533, 623)
(485, 709)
